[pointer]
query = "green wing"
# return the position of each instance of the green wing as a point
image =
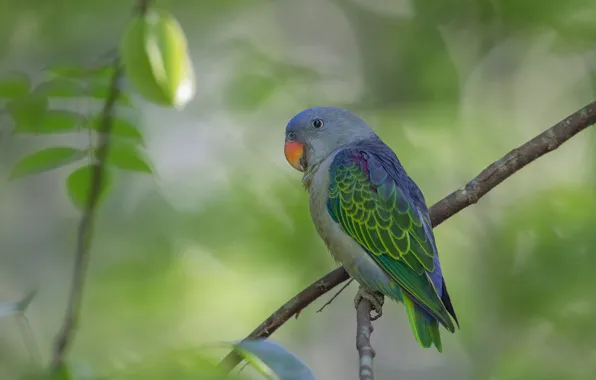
(372, 208)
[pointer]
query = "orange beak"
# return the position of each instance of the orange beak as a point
(294, 152)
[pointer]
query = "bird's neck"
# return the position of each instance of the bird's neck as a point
(309, 174)
(312, 169)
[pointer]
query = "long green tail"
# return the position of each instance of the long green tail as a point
(424, 325)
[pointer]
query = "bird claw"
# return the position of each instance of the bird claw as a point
(376, 299)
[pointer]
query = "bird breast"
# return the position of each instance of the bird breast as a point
(343, 248)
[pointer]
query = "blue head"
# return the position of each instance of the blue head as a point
(315, 133)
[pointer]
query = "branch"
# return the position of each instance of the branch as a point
(290, 308)
(471, 193)
(85, 231)
(65, 336)
(364, 330)
(335, 295)
(512, 162)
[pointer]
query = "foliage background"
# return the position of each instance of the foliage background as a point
(220, 235)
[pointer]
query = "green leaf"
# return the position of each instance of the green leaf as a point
(14, 85)
(9, 308)
(60, 88)
(179, 364)
(250, 91)
(155, 55)
(78, 185)
(61, 373)
(53, 121)
(120, 128)
(28, 110)
(79, 72)
(101, 91)
(47, 159)
(67, 88)
(269, 357)
(125, 156)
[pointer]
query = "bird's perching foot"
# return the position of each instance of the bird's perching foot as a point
(375, 298)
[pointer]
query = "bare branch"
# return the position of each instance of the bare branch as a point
(364, 330)
(335, 295)
(85, 231)
(488, 179)
(513, 161)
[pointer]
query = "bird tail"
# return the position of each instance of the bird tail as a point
(424, 325)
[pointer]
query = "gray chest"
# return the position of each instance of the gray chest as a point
(319, 190)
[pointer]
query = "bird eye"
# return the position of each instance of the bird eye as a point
(291, 136)
(317, 123)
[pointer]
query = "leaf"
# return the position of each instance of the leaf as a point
(101, 91)
(61, 373)
(156, 60)
(125, 156)
(9, 308)
(179, 364)
(79, 72)
(14, 85)
(250, 91)
(47, 159)
(67, 88)
(120, 128)
(78, 185)
(267, 356)
(53, 121)
(60, 88)
(28, 110)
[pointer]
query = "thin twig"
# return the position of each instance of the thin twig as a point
(364, 330)
(335, 295)
(85, 231)
(488, 179)
(29, 339)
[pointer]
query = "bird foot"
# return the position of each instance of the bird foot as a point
(375, 298)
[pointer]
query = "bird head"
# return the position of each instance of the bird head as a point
(313, 134)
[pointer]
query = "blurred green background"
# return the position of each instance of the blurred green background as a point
(220, 236)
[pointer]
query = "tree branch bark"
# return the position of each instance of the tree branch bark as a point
(471, 193)
(512, 162)
(364, 330)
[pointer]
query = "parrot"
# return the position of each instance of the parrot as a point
(371, 216)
